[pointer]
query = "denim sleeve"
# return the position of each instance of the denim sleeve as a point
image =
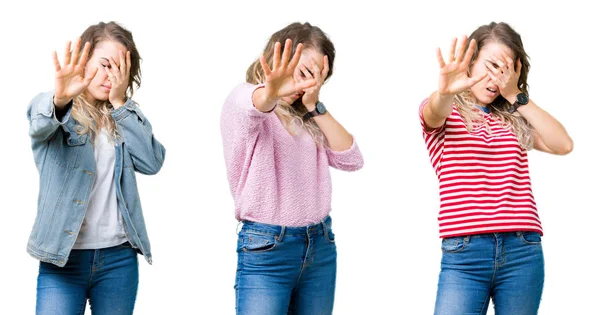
(136, 131)
(43, 121)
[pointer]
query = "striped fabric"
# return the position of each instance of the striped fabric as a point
(483, 177)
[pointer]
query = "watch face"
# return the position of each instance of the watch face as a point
(320, 108)
(522, 98)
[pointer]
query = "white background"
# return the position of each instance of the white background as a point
(385, 216)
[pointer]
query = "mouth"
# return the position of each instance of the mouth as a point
(106, 87)
(294, 97)
(492, 90)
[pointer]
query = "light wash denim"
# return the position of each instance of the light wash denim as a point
(66, 166)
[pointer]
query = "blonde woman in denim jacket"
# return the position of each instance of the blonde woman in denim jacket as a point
(88, 139)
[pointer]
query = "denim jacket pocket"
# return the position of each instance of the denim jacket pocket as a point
(454, 244)
(68, 155)
(74, 139)
(256, 243)
(531, 238)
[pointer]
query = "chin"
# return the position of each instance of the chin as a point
(288, 100)
(484, 101)
(99, 96)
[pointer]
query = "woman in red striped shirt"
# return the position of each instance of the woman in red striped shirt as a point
(478, 127)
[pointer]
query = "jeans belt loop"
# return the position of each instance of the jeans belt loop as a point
(280, 237)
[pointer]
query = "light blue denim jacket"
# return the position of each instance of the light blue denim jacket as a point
(67, 168)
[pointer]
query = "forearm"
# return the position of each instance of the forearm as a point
(262, 102)
(550, 131)
(338, 138)
(437, 109)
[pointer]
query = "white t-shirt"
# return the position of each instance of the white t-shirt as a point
(103, 225)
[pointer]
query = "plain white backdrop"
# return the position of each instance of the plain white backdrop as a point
(385, 215)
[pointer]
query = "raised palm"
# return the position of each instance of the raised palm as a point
(454, 77)
(279, 81)
(71, 79)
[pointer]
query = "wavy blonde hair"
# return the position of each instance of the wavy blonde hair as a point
(91, 117)
(465, 102)
(311, 37)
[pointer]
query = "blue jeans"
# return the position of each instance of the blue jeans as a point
(285, 270)
(108, 277)
(505, 267)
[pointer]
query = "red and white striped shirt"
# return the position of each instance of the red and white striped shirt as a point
(484, 178)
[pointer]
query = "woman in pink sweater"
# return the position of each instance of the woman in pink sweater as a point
(279, 142)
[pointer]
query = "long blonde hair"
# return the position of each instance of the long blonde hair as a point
(465, 102)
(91, 117)
(311, 37)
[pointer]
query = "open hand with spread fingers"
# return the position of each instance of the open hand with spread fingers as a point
(118, 75)
(502, 72)
(279, 80)
(454, 77)
(70, 78)
(317, 73)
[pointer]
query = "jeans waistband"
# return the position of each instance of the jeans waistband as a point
(494, 235)
(281, 230)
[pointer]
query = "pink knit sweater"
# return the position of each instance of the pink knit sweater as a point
(274, 177)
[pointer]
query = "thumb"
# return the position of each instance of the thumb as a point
(475, 80)
(305, 84)
(89, 76)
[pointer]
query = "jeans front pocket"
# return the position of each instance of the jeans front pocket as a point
(257, 243)
(454, 244)
(531, 238)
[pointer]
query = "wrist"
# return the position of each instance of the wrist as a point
(519, 100)
(118, 103)
(311, 106)
(440, 93)
(262, 101)
(445, 97)
(60, 102)
(511, 97)
(319, 109)
(510, 94)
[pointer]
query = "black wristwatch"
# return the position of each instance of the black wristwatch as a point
(319, 110)
(522, 99)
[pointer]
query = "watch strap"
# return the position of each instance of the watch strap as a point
(309, 115)
(514, 106)
(315, 112)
